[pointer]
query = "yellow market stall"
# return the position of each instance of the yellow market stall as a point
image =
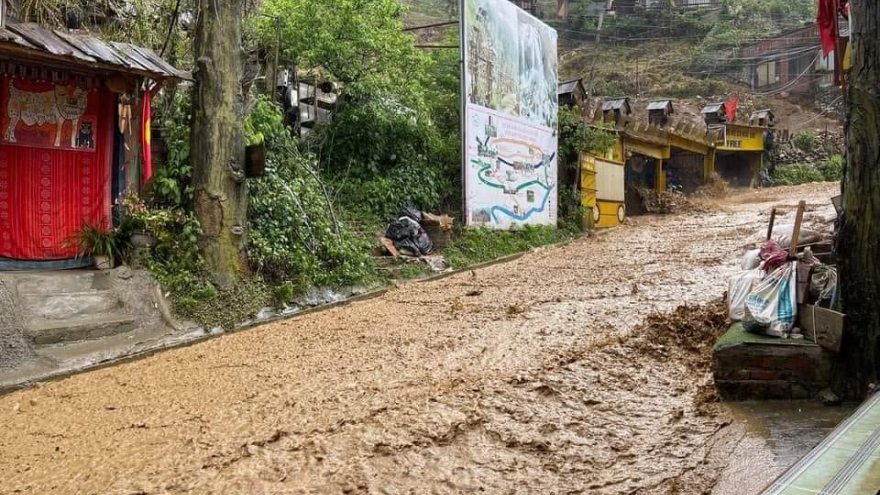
(739, 156)
(603, 186)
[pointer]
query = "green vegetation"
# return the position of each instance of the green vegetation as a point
(805, 141)
(95, 240)
(394, 139)
(481, 245)
(295, 235)
(832, 169)
(793, 175)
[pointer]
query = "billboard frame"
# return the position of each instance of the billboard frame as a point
(527, 112)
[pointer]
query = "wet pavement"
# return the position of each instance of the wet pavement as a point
(525, 377)
(776, 435)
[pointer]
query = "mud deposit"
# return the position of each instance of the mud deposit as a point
(535, 376)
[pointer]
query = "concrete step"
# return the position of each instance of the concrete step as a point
(73, 281)
(76, 328)
(68, 304)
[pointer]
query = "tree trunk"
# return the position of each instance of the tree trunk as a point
(218, 136)
(859, 238)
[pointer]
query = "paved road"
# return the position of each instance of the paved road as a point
(531, 386)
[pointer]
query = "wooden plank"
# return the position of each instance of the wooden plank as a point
(796, 233)
(772, 221)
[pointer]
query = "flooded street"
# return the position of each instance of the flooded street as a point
(534, 376)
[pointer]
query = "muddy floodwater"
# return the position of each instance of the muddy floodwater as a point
(534, 376)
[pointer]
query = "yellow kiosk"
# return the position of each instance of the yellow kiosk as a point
(603, 186)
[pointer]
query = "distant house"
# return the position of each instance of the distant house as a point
(659, 111)
(571, 93)
(791, 62)
(613, 109)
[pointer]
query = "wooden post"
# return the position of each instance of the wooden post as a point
(772, 221)
(796, 233)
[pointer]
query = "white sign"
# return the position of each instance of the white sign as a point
(510, 147)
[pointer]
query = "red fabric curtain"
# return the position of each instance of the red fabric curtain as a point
(826, 19)
(46, 194)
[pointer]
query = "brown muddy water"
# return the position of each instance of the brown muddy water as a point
(534, 376)
(776, 434)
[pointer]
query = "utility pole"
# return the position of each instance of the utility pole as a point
(638, 80)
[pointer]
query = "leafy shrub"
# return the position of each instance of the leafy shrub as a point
(378, 155)
(295, 235)
(805, 141)
(832, 169)
(171, 185)
(793, 175)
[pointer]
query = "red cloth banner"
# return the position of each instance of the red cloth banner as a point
(826, 19)
(730, 108)
(47, 193)
(146, 135)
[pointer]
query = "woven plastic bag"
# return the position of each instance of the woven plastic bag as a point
(771, 306)
(738, 289)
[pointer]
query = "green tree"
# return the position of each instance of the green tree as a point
(860, 231)
(354, 41)
(393, 138)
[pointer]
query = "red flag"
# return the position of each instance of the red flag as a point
(146, 136)
(730, 108)
(826, 19)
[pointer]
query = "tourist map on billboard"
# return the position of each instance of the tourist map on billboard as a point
(510, 116)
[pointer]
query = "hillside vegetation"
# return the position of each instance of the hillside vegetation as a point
(669, 51)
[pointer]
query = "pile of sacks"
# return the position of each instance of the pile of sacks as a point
(766, 294)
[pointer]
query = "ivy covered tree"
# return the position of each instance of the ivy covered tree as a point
(860, 232)
(218, 142)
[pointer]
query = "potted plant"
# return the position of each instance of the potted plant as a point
(140, 223)
(97, 242)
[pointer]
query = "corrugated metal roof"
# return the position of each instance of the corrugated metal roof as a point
(659, 105)
(713, 108)
(86, 50)
(615, 104)
(567, 87)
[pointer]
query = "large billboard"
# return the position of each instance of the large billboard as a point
(510, 145)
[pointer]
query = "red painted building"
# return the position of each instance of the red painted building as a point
(69, 136)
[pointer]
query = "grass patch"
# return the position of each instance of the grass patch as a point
(738, 335)
(470, 247)
(794, 175)
(225, 307)
(832, 169)
(805, 141)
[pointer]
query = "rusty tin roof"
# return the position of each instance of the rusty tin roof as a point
(85, 50)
